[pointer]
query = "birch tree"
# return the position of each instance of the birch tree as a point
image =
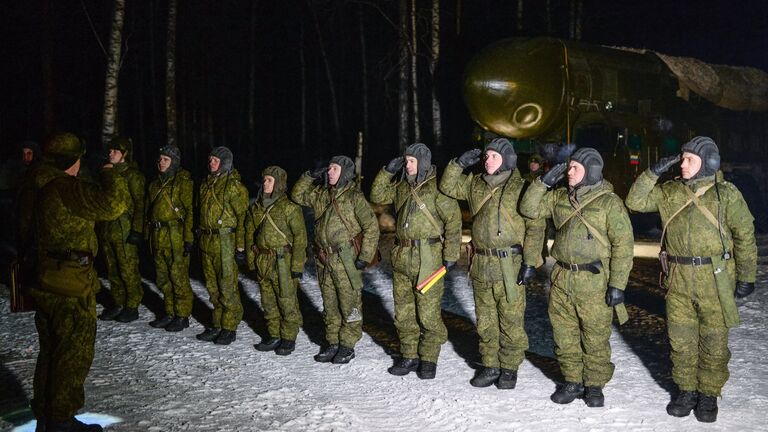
(109, 127)
(437, 128)
(414, 75)
(364, 77)
(402, 132)
(170, 74)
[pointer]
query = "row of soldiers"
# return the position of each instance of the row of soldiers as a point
(593, 251)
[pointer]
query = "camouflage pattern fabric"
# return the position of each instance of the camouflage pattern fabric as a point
(418, 319)
(581, 320)
(497, 223)
(64, 218)
(340, 282)
(697, 329)
(223, 204)
(169, 217)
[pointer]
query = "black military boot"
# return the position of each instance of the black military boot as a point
(566, 393)
(128, 314)
(507, 380)
(404, 366)
(110, 313)
(344, 355)
(706, 409)
(161, 322)
(593, 397)
(327, 354)
(286, 347)
(72, 425)
(225, 337)
(683, 403)
(177, 324)
(267, 344)
(209, 334)
(427, 370)
(486, 377)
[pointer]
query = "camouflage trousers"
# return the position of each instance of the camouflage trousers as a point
(172, 270)
(66, 327)
(581, 325)
(342, 303)
(122, 261)
(697, 331)
(503, 340)
(220, 272)
(281, 306)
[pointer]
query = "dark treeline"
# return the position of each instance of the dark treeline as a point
(292, 59)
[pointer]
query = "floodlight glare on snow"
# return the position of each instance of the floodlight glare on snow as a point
(103, 420)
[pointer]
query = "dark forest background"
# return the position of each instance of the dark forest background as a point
(53, 72)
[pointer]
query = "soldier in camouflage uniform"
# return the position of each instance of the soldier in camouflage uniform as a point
(506, 252)
(341, 215)
(65, 299)
(120, 240)
(428, 234)
(169, 222)
(593, 248)
(710, 241)
(276, 243)
(535, 168)
(223, 204)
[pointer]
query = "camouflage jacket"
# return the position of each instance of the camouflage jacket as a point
(287, 219)
(330, 228)
(170, 200)
(690, 233)
(223, 204)
(574, 243)
(30, 187)
(497, 223)
(412, 221)
(132, 218)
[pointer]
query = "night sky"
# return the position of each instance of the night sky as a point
(214, 51)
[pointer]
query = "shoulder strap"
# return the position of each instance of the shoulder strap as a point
(274, 225)
(338, 212)
(693, 199)
(425, 210)
(485, 200)
(577, 210)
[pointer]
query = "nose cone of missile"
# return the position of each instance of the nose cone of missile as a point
(514, 87)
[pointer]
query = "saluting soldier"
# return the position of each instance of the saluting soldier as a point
(65, 212)
(169, 222)
(276, 243)
(346, 236)
(223, 204)
(428, 235)
(709, 253)
(507, 249)
(593, 248)
(121, 238)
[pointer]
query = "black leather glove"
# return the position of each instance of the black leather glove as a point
(744, 289)
(395, 165)
(317, 172)
(449, 265)
(664, 164)
(469, 158)
(551, 177)
(296, 275)
(526, 273)
(134, 238)
(241, 258)
(614, 296)
(360, 264)
(188, 248)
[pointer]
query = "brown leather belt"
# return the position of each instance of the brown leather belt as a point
(694, 261)
(164, 224)
(593, 267)
(217, 231)
(278, 251)
(83, 258)
(337, 248)
(500, 253)
(416, 242)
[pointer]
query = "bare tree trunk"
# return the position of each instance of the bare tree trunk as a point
(437, 128)
(549, 16)
(252, 77)
(458, 17)
(170, 74)
(49, 105)
(364, 78)
(402, 132)
(579, 10)
(302, 60)
(153, 100)
(109, 127)
(519, 16)
(414, 75)
(331, 85)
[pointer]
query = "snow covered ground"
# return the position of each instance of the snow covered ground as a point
(152, 380)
